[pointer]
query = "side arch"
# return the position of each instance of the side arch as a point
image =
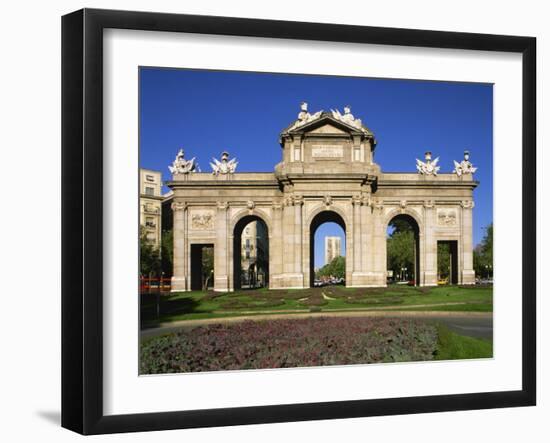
(412, 218)
(400, 211)
(243, 213)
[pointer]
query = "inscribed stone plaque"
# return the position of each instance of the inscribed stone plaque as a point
(327, 151)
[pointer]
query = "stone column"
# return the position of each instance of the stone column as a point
(180, 281)
(467, 274)
(356, 261)
(298, 201)
(287, 233)
(358, 245)
(221, 249)
(276, 247)
(428, 248)
(379, 244)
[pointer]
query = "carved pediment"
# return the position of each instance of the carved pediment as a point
(327, 124)
(327, 129)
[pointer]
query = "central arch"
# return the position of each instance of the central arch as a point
(320, 218)
(406, 267)
(253, 254)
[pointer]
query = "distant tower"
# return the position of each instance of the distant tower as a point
(332, 248)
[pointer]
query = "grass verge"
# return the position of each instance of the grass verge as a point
(452, 346)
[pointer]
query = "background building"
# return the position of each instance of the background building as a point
(333, 248)
(254, 255)
(150, 205)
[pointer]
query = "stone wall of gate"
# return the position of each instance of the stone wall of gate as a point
(327, 167)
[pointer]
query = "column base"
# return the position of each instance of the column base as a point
(287, 281)
(179, 284)
(468, 277)
(221, 284)
(430, 279)
(367, 280)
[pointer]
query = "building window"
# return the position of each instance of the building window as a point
(150, 178)
(150, 222)
(149, 190)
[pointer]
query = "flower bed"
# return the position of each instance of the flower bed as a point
(289, 343)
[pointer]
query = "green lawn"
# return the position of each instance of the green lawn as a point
(196, 305)
(452, 346)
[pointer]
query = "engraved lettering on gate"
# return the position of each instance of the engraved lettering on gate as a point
(327, 151)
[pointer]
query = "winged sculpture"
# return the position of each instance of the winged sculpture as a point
(428, 167)
(225, 166)
(182, 166)
(347, 117)
(465, 166)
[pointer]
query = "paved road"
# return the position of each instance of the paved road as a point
(473, 324)
(477, 327)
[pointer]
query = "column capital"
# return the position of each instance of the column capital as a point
(429, 204)
(357, 200)
(222, 206)
(378, 205)
(467, 204)
(178, 206)
(298, 200)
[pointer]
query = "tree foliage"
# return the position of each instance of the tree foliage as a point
(207, 266)
(167, 253)
(149, 257)
(401, 245)
(443, 260)
(483, 254)
(336, 268)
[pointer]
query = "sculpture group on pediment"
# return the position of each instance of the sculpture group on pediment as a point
(347, 117)
(305, 117)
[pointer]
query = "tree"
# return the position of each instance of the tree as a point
(336, 268)
(483, 254)
(401, 248)
(443, 260)
(207, 266)
(167, 253)
(487, 244)
(149, 257)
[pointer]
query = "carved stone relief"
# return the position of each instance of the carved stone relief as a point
(202, 220)
(446, 217)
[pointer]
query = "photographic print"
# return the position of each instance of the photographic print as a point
(292, 220)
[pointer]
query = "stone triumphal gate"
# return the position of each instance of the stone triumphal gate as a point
(327, 173)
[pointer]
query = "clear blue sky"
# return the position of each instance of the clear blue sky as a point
(206, 112)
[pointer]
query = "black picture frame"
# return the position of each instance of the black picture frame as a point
(82, 218)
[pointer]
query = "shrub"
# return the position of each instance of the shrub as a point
(289, 343)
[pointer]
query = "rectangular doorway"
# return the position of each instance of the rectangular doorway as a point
(447, 262)
(202, 266)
